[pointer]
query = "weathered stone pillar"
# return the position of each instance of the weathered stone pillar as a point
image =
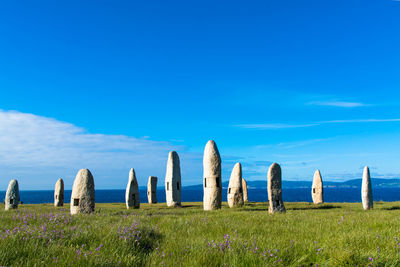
(11, 200)
(366, 190)
(317, 190)
(82, 196)
(132, 199)
(59, 193)
(212, 177)
(244, 187)
(173, 185)
(275, 189)
(235, 191)
(152, 190)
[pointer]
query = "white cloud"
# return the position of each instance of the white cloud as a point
(31, 140)
(342, 104)
(38, 150)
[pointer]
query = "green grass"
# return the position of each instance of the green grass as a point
(334, 234)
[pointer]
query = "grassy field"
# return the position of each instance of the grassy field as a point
(334, 234)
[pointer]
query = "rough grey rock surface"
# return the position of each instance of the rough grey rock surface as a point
(275, 189)
(173, 185)
(235, 190)
(212, 177)
(132, 199)
(82, 196)
(152, 190)
(366, 190)
(244, 187)
(11, 200)
(317, 190)
(59, 193)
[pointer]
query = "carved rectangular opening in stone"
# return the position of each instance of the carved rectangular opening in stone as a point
(217, 182)
(229, 190)
(11, 201)
(76, 202)
(240, 190)
(56, 196)
(313, 190)
(205, 182)
(167, 186)
(133, 196)
(177, 185)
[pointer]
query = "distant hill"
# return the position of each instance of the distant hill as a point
(355, 183)
(376, 183)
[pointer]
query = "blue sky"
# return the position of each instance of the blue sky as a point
(111, 85)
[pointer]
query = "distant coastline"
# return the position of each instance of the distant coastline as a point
(353, 183)
(386, 190)
(262, 184)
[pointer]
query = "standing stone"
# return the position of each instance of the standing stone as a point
(235, 191)
(173, 183)
(132, 199)
(152, 190)
(59, 193)
(212, 177)
(366, 190)
(317, 191)
(244, 187)
(82, 196)
(275, 189)
(12, 196)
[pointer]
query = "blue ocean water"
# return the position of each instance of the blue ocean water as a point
(195, 195)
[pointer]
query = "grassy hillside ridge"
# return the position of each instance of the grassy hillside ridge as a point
(330, 234)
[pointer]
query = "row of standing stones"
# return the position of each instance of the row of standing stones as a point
(83, 193)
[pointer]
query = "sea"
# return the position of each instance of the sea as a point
(352, 194)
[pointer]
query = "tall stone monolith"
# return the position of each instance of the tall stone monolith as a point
(235, 190)
(152, 190)
(366, 190)
(212, 177)
(11, 200)
(244, 187)
(317, 190)
(132, 199)
(82, 196)
(59, 193)
(173, 185)
(275, 189)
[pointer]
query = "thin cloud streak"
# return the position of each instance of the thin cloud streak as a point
(272, 126)
(341, 104)
(359, 120)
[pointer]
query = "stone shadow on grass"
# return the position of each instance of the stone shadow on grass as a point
(263, 210)
(142, 240)
(253, 207)
(187, 206)
(392, 208)
(150, 241)
(323, 207)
